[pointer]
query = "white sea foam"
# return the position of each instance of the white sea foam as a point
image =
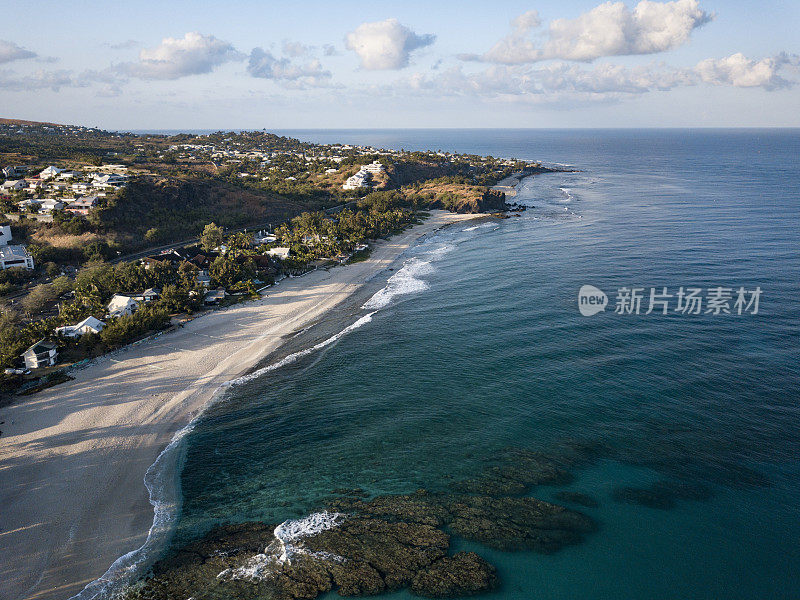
(287, 545)
(287, 360)
(162, 487)
(407, 279)
(481, 226)
(567, 193)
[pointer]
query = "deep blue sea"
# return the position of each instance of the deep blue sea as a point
(477, 345)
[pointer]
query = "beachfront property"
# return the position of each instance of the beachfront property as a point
(279, 252)
(121, 306)
(263, 237)
(88, 325)
(214, 296)
(15, 256)
(5, 234)
(41, 354)
(147, 296)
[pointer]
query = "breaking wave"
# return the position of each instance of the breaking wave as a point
(297, 355)
(287, 545)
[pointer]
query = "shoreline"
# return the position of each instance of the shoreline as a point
(74, 458)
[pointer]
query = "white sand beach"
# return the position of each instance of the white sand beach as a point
(73, 458)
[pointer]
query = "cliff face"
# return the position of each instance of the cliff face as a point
(492, 201)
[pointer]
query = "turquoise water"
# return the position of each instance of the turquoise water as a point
(478, 345)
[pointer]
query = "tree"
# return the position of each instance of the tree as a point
(212, 237)
(226, 272)
(152, 234)
(38, 298)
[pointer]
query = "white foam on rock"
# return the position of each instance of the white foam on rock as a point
(286, 546)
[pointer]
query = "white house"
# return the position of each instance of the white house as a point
(360, 179)
(374, 167)
(50, 172)
(109, 181)
(5, 234)
(148, 295)
(13, 185)
(41, 354)
(82, 206)
(122, 305)
(88, 325)
(280, 252)
(15, 256)
(263, 237)
(50, 204)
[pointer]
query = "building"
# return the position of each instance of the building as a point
(88, 325)
(48, 205)
(15, 256)
(41, 354)
(13, 186)
(280, 252)
(359, 180)
(82, 206)
(109, 181)
(263, 237)
(373, 167)
(15, 172)
(122, 305)
(50, 172)
(215, 296)
(5, 234)
(148, 295)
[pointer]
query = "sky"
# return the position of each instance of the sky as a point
(519, 63)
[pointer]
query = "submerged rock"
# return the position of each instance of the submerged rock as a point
(517, 472)
(462, 574)
(662, 494)
(577, 498)
(517, 523)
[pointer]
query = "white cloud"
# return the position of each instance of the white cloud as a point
(560, 81)
(610, 29)
(294, 49)
(194, 54)
(40, 80)
(385, 44)
(9, 51)
(264, 65)
(739, 71)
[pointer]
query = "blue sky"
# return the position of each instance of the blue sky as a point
(249, 64)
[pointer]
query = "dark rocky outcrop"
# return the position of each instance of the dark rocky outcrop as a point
(492, 201)
(462, 574)
(378, 545)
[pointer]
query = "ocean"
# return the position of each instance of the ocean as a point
(476, 347)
